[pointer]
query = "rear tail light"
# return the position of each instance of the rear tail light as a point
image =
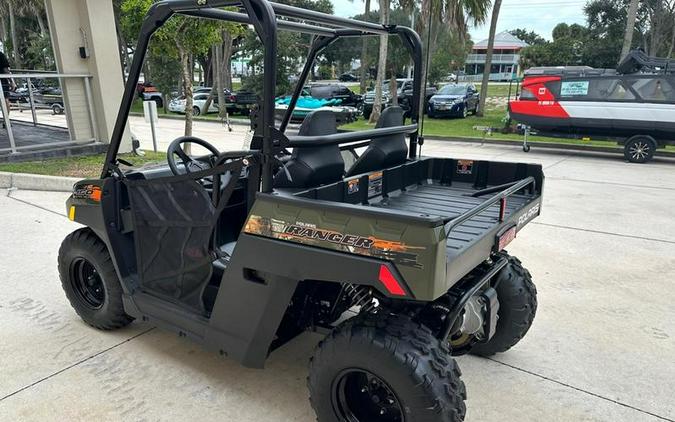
(505, 238)
(389, 281)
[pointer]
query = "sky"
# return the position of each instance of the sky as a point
(535, 15)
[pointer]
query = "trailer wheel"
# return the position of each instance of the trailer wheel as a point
(383, 367)
(89, 279)
(517, 297)
(639, 149)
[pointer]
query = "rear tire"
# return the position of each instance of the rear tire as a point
(57, 109)
(196, 111)
(90, 281)
(517, 297)
(639, 149)
(383, 367)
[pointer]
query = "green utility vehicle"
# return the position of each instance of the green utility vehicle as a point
(398, 258)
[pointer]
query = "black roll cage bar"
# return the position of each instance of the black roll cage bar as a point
(263, 16)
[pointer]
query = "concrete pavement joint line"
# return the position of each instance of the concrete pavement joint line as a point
(581, 390)
(558, 162)
(75, 364)
(630, 236)
(9, 195)
(628, 185)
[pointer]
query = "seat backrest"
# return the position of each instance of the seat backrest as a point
(313, 166)
(383, 152)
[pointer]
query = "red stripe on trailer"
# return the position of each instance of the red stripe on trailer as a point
(545, 104)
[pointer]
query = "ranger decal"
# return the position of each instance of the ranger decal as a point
(309, 234)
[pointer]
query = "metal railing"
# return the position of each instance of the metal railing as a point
(73, 97)
(496, 58)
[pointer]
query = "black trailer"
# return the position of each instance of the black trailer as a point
(243, 250)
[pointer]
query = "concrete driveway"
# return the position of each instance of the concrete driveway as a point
(602, 347)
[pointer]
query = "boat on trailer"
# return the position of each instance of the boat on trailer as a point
(633, 104)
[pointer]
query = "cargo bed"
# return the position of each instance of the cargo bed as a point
(474, 202)
(449, 202)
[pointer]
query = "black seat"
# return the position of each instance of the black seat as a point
(383, 152)
(313, 166)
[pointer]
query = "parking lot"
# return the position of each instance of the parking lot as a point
(601, 348)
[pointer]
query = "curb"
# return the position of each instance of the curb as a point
(36, 182)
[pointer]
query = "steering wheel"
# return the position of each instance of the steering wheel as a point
(190, 164)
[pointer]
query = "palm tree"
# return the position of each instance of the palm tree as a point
(11, 10)
(456, 14)
(630, 27)
(364, 55)
(488, 57)
(382, 63)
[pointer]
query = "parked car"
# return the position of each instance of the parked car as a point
(241, 101)
(404, 93)
(198, 105)
(454, 100)
(148, 92)
(348, 77)
(340, 92)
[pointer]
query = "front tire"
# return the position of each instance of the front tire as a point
(517, 297)
(383, 367)
(196, 111)
(90, 281)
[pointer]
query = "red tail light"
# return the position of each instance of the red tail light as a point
(389, 281)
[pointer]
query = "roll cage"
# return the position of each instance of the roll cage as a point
(267, 18)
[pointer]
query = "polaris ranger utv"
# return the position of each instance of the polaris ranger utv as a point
(242, 251)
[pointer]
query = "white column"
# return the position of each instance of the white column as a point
(90, 24)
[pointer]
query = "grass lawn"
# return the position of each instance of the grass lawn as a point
(88, 166)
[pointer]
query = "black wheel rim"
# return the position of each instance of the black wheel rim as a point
(361, 396)
(639, 150)
(87, 283)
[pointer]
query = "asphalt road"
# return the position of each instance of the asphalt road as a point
(602, 347)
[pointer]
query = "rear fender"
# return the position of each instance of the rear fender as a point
(261, 279)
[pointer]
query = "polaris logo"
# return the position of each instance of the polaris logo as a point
(329, 236)
(528, 215)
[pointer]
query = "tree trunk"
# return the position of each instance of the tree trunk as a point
(425, 25)
(392, 88)
(219, 75)
(15, 41)
(226, 68)
(214, 72)
(381, 64)
(671, 50)
(3, 31)
(364, 56)
(488, 57)
(41, 23)
(187, 85)
(630, 28)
